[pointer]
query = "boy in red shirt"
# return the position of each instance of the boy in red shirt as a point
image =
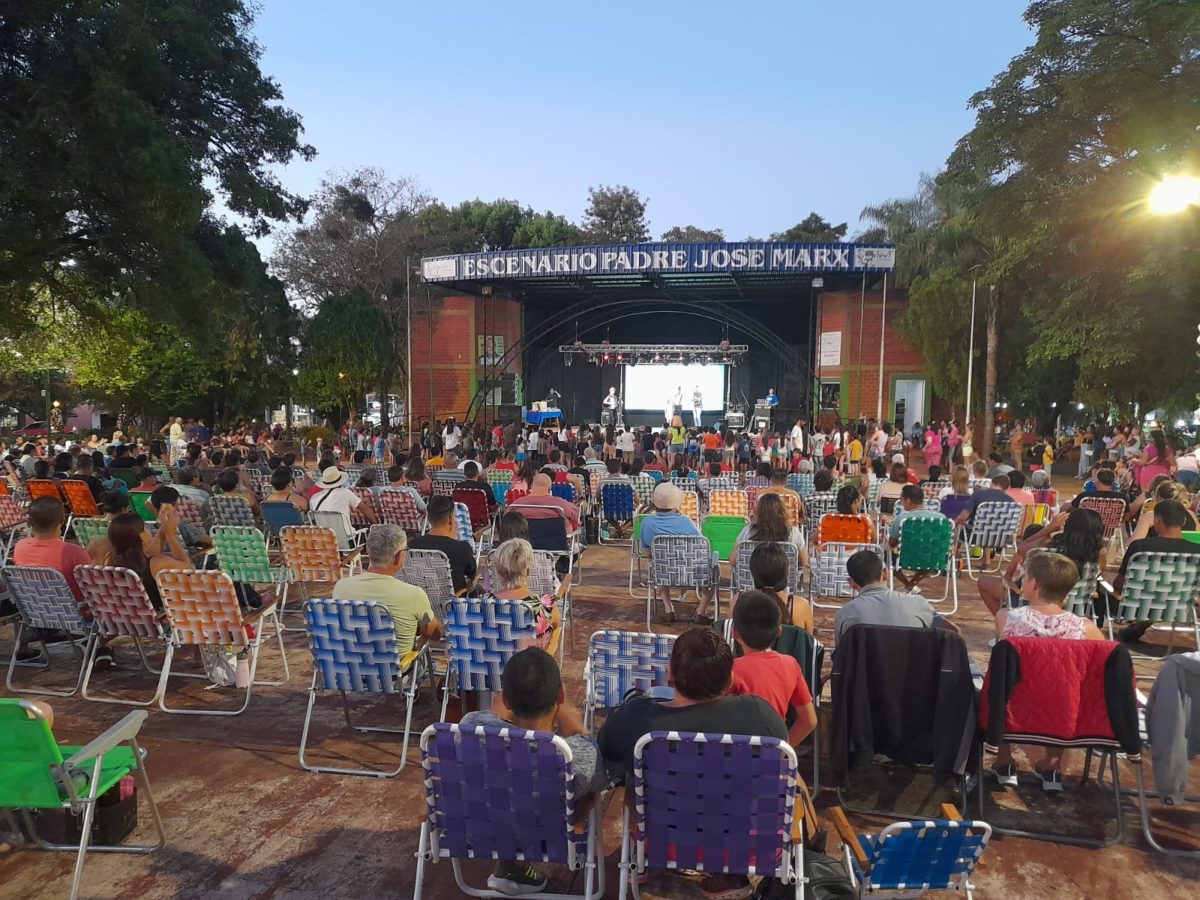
(765, 673)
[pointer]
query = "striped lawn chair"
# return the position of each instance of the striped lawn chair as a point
(1112, 513)
(735, 798)
(368, 497)
(38, 488)
(926, 544)
(643, 487)
(818, 505)
(564, 491)
(79, 500)
(827, 576)
(397, 507)
(120, 607)
(684, 482)
(1049, 496)
(44, 600)
(931, 490)
(14, 521)
(846, 529)
(728, 503)
(242, 555)
(444, 487)
(1080, 600)
(353, 646)
(479, 517)
(1161, 587)
(543, 578)
(619, 661)
(190, 512)
(202, 609)
(512, 495)
(992, 527)
(974, 484)
(618, 502)
(909, 859)
(430, 571)
(90, 529)
(801, 483)
(230, 510)
(482, 634)
(310, 554)
(526, 813)
(740, 578)
(690, 506)
(683, 561)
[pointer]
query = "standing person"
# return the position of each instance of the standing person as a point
(668, 411)
(932, 447)
(451, 435)
(609, 404)
(697, 406)
(1016, 442)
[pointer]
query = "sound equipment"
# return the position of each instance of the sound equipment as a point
(606, 417)
(735, 418)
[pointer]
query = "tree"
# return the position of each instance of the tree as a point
(911, 223)
(1067, 142)
(690, 234)
(546, 229)
(346, 353)
(615, 215)
(118, 123)
(814, 230)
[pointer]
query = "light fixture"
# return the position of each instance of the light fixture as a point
(1174, 194)
(1079, 407)
(1054, 404)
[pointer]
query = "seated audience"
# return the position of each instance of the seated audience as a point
(474, 479)
(409, 605)
(540, 496)
(85, 469)
(770, 571)
(283, 492)
(513, 564)
(230, 483)
(334, 496)
(443, 536)
(185, 483)
(876, 604)
(997, 493)
(771, 524)
(1170, 517)
(532, 698)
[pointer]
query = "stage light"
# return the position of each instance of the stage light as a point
(1174, 194)
(606, 359)
(620, 357)
(567, 357)
(657, 357)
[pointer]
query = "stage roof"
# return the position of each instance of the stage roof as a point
(729, 271)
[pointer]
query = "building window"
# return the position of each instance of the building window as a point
(831, 395)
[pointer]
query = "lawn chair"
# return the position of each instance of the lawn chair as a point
(690, 506)
(90, 529)
(801, 483)
(512, 495)
(242, 555)
(120, 607)
(931, 490)
(358, 517)
(37, 772)
(636, 553)
(909, 859)
(728, 503)
(1112, 513)
(681, 561)
(190, 512)
(1160, 587)
(310, 554)
(230, 510)
(430, 571)
(643, 489)
(1080, 716)
(564, 490)
(714, 803)
(992, 527)
(952, 505)
(482, 634)
(543, 578)
(348, 539)
(353, 645)
(618, 504)
(740, 578)
(479, 517)
(818, 505)
(44, 600)
(618, 662)
(37, 488)
(1032, 514)
(844, 529)
(722, 533)
(202, 609)
(527, 811)
(14, 521)
(80, 502)
(280, 514)
(397, 507)
(827, 576)
(139, 502)
(550, 533)
(926, 544)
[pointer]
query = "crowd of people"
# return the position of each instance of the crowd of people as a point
(747, 687)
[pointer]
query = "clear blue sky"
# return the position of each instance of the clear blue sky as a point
(742, 116)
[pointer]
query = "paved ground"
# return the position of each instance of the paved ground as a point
(243, 820)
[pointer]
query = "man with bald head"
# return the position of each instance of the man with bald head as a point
(539, 496)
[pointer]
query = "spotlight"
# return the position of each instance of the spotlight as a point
(657, 357)
(620, 357)
(567, 357)
(606, 359)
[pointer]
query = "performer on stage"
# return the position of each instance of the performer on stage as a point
(697, 406)
(772, 397)
(608, 407)
(669, 411)
(552, 398)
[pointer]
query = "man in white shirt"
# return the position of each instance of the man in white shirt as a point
(798, 437)
(535, 441)
(625, 445)
(451, 435)
(335, 496)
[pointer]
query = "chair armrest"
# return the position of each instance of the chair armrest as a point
(842, 826)
(123, 731)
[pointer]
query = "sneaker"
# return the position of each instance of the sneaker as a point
(514, 879)
(720, 886)
(104, 657)
(1132, 634)
(1051, 781)
(1006, 775)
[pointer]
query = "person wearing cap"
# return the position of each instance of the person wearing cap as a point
(334, 496)
(667, 520)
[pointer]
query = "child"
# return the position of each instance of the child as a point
(1047, 453)
(763, 672)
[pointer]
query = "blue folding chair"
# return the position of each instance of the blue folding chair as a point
(353, 645)
(279, 514)
(618, 662)
(617, 504)
(482, 634)
(909, 859)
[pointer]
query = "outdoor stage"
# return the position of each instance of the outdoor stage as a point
(766, 296)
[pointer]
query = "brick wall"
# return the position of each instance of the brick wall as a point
(450, 362)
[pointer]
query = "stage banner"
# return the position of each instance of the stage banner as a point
(552, 262)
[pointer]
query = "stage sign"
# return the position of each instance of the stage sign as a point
(552, 262)
(831, 348)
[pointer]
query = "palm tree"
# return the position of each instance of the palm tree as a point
(912, 224)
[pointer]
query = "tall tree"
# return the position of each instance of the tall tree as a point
(1067, 143)
(813, 229)
(691, 234)
(546, 229)
(911, 223)
(616, 215)
(347, 349)
(118, 123)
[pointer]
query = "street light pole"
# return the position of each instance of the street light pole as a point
(882, 329)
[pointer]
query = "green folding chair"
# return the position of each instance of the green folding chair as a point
(722, 533)
(125, 476)
(90, 528)
(927, 545)
(140, 503)
(36, 772)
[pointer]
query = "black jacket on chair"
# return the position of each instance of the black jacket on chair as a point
(905, 693)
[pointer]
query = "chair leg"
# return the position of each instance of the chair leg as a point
(422, 855)
(625, 866)
(12, 665)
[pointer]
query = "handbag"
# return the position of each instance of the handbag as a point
(826, 876)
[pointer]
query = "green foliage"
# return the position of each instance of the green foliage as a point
(319, 433)
(690, 234)
(615, 215)
(346, 353)
(813, 229)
